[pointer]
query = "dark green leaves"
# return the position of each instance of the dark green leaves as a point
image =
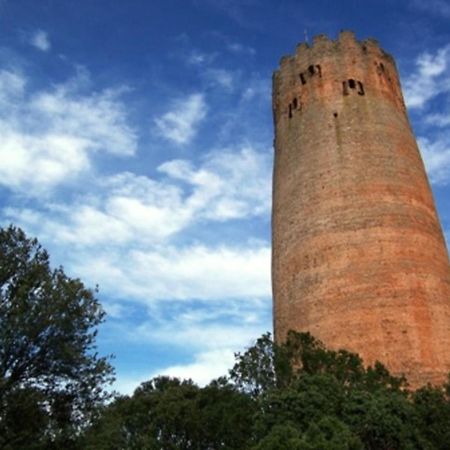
(295, 396)
(47, 346)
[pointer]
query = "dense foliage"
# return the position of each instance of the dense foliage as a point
(297, 396)
(51, 378)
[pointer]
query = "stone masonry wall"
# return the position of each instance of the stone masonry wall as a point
(359, 257)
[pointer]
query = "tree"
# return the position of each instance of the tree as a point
(50, 372)
(166, 413)
(297, 395)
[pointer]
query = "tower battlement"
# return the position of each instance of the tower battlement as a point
(358, 254)
(345, 65)
(322, 45)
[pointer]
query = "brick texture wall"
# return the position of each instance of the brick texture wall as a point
(359, 257)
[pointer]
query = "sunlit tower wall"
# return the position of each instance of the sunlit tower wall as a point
(359, 258)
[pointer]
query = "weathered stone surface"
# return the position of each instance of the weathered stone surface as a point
(359, 257)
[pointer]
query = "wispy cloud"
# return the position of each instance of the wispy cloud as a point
(40, 40)
(224, 187)
(220, 77)
(48, 136)
(198, 58)
(236, 47)
(259, 88)
(227, 331)
(211, 332)
(438, 7)
(12, 87)
(121, 233)
(183, 273)
(436, 156)
(238, 10)
(431, 81)
(430, 78)
(180, 123)
(205, 367)
(149, 242)
(227, 185)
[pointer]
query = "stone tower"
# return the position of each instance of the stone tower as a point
(359, 258)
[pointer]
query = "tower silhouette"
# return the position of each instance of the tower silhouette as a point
(359, 258)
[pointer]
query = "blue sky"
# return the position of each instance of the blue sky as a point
(136, 144)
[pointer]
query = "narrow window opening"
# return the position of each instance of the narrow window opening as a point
(335, 114)
(319, 70)
(344, 88)
(360, 88)
(351, 84)
(311, 70)
(290, 110)
(382, 67)
(294, 103)
(302, 77)
(364, 49)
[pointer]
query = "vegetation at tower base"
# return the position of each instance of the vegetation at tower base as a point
(297, 395)
(51, 378)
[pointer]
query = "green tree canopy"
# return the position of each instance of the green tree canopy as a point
(51, 377)
(298, 395)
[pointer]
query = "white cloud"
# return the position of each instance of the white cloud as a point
(212, 335)
(229, 184)
(125, 208)
(40, 40)
(438, 119)
(430, 78)
(180, 123)
(12, 86)
(48, 136)
(98, 118)
(148, 273)
(114, 309)
(436, 155)
(209, 333)
(205, 367)
(120, 234)
(202, 337)
(221, 77)
(37, 162)
(126, 383)
(170, 273)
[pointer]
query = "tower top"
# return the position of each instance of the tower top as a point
(322, 45)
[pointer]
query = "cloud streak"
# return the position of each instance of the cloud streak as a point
(437, 7)
(40, 40)
(121, 235)
(179, 125)
(429, 81)
(430, 78)
(436, 156)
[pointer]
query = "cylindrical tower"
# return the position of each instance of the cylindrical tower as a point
(359, 258)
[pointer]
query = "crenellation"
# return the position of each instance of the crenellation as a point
(322, 39)
(344, 59)
(302, 52)
(347, 39)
